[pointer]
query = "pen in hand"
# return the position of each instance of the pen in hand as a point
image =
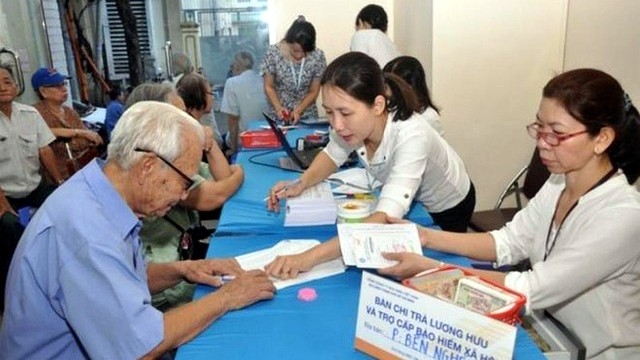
(297, 181)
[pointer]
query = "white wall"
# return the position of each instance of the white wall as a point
(490, 63)
(606, 35)
(413, 27)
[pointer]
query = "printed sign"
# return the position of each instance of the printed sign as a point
(397, 322)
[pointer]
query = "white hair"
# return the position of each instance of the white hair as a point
(153, 126)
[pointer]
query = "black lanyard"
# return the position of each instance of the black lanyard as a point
(547, 249)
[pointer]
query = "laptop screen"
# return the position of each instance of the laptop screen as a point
(283, 140)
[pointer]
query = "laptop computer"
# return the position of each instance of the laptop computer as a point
(300, 158)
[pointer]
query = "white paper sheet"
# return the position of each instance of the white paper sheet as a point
(362, 245)
(260, 259)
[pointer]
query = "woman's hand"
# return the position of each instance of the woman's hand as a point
(295, 116)
(409, 264)
(283, 190)
(289, 266)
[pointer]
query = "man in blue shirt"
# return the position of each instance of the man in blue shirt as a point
(78, 286)
(115, 108)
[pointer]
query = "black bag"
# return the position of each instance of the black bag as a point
(193, 242)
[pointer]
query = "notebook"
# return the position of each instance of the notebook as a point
(301, 158)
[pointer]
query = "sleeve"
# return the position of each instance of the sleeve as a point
(125, 317)
(268, 65)
(230, 100)
(321, 65)
(337, 149)
(603, 246)
(408, 163)
(45, 135)
(515, 240)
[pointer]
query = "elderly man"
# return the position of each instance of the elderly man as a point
(24, 144)
(243, 99)
(79, 285)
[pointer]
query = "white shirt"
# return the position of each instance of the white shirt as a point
(433, 118)
(21, 138)
(376, 44)
(412, 161)
(244, 97)
(590, 280)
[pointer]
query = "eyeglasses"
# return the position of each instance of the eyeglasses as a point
(190, 182)
(553, 139)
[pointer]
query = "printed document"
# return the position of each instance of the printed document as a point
(362, 245)
(260, 259)
(314, 206)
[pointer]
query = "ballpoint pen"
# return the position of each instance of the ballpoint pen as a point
(297, 181)
(227, 278)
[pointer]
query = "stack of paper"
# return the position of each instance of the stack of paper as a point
(362, 245)
(354, 181)
(314, 206)
(261, 258)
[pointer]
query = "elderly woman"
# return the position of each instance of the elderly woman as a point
(51, 88)
(291, 70)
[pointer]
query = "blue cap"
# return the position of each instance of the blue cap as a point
(47, 76)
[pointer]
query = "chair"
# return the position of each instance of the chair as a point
(535, 174)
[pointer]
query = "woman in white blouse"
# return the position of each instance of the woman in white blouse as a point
(411, 71)
(581, 231)
(371, 35)
(394, 143)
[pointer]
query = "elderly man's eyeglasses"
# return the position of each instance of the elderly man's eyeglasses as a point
(190, 183)
(535, 131)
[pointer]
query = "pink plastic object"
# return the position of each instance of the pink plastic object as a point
(307, 294)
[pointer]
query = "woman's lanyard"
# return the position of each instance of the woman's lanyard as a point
(547, 248)
(297, 78)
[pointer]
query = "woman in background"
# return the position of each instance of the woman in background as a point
(582, 228)
(393, 142)
(411, 71)
(371, 35)
(291, 70)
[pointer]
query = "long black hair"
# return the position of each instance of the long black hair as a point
(360, 76)
(411, 71)
(597, 100)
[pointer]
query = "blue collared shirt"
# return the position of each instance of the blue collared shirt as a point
(77, 286)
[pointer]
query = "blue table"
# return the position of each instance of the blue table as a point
(286, 328)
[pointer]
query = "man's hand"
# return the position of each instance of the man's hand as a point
(246, 289)
(209, 271)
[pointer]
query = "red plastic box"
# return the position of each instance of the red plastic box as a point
(252, 139)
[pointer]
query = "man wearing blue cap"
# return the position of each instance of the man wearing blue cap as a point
(64, 122)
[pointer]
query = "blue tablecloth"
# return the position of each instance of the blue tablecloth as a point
(286, 328)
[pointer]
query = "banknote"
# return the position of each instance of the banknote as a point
(478, 296)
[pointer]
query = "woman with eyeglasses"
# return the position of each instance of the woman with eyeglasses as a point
(581, 230)
(65, 123)
(396, 145)
(291, 70)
